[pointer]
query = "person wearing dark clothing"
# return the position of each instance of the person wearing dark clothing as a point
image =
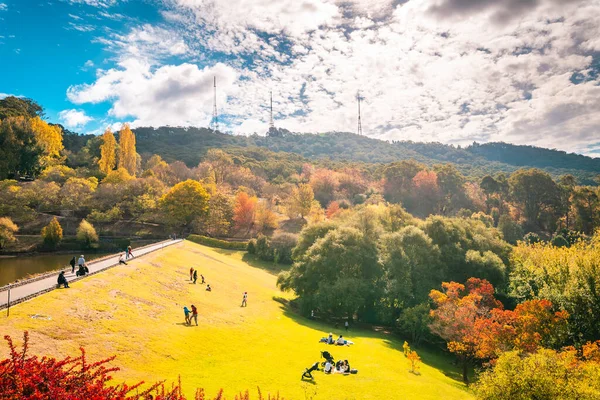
(80, 271)
(202, 277)
(191, 273)
(308, 372)
(73, 262)
(129, 253)
(245, 300)
(194, 315)
(208, 288)
(62, 280)
(195, 276)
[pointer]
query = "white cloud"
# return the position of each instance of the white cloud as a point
(74, 118)
(453, 71)
(3, 7)
(95, 3)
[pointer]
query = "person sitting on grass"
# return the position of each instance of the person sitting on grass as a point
(62, 280)
(186, 312)
(308, 372)
(340, 341)
(208, 288)
(122, 259)
(330, 339)
(328, 367)
(80, 271)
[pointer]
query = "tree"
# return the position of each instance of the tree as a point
(12, 106)
(127, 153)
(185, 202)
(86, 234)
(535, 192)
(546, 374)
(7, 231)
(566, 186)
(220, 163)
(20, 152)
(52, 234)
(244, 211)
(108, 152)
(49, 138)
(398, 181)
(324, 183)
(117, 176)
(264, 217)
(415, 361)
(511, 231)
(76, 193)
(220, 215)
(587, 208)
(332, 209)
(300, 201)
(427, 191)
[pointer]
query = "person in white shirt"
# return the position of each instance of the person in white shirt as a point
(122, 259)
(328, 367)
(340, 341)
(245, 300)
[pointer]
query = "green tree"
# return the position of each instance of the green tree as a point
(185, 202)
(511, 231)
(587, 208)
(220, 215)
(535, 192)
(12, 106)
(86, 234)
(7, 231)
(20, 152)
(52, 234)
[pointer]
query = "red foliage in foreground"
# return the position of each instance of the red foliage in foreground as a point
(33, 378)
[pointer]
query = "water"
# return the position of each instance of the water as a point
(19, 267)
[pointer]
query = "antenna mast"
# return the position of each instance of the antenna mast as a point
(271, 124)
(360, 132)
(215, 118)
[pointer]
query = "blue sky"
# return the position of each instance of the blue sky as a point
(453, 71)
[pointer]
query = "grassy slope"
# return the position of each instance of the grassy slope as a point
(135, 312)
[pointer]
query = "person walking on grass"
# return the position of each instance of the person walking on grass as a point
(346, 325)
(202, 277)
(73, 262)
(245, 300)
(122, 259)
(195, 276)
(62, 280)
(194, 315)
(191, 274)
(186, 312)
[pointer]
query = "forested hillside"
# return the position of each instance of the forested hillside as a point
(190, 144)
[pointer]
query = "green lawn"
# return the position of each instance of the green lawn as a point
(135, 312)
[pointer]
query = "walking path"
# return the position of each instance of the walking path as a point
(25, 290)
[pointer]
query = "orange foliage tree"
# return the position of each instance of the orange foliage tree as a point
(244, 210)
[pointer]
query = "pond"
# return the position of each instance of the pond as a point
(19, 267)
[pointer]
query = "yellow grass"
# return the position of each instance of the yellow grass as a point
(135, 312)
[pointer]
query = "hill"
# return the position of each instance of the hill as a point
(135, 312)
(190, 144)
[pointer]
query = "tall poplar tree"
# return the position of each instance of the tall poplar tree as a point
(108, 152)
(127, 154)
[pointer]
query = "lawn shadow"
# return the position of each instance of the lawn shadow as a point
(431, 355)
(268, 266)
(184, 324)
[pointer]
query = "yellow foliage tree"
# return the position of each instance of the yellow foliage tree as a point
(49, 137)
(300, 201)
(185, 202)
(415, 360)
(127, 153)
(264, 217)
(52, 233)
(7, 231)
(108, 152)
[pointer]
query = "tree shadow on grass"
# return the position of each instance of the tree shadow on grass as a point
(268, 266)
(431, 355)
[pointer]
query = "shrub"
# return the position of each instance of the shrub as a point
(251, 248)
(263, 248)
(86, 234)
(560, 241)
(282, 245)
(7, 231)
(111, 215)
(52, 234)
(415, 360)
(221, 244)
(511, 231)
(532, 238)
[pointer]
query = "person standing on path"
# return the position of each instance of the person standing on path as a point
(73, 262)
(245, 300)
(129, 253)
(195, 276)
(346, 325)
(191, 274)
(194, 315)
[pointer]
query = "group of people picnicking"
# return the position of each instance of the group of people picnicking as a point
(83, 268)
(330, 366)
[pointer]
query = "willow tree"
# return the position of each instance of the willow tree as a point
(108, 152)
(127, 153)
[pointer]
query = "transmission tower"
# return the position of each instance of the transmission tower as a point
(360, 132)
(215, 117)
(271, 123)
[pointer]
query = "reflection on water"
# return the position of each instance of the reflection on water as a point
(16, 268)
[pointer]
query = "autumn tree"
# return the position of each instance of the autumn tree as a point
(398, 181)
(220, 164)
(108, 152)
(49, 138)
(427, 191)
(52, 234)
(265, 218)
(127, 152)
(324, 183)
(300, 201)
(7, 231)
(185, 202)
(244, 211)
(86, 234)
(220, 215)
(332, 209)
(536, 193)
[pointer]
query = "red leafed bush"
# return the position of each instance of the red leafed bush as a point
(33, 378)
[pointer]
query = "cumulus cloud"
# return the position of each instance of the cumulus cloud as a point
(424, 73)
(3, 7)
(74, 118)
(169, 95)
